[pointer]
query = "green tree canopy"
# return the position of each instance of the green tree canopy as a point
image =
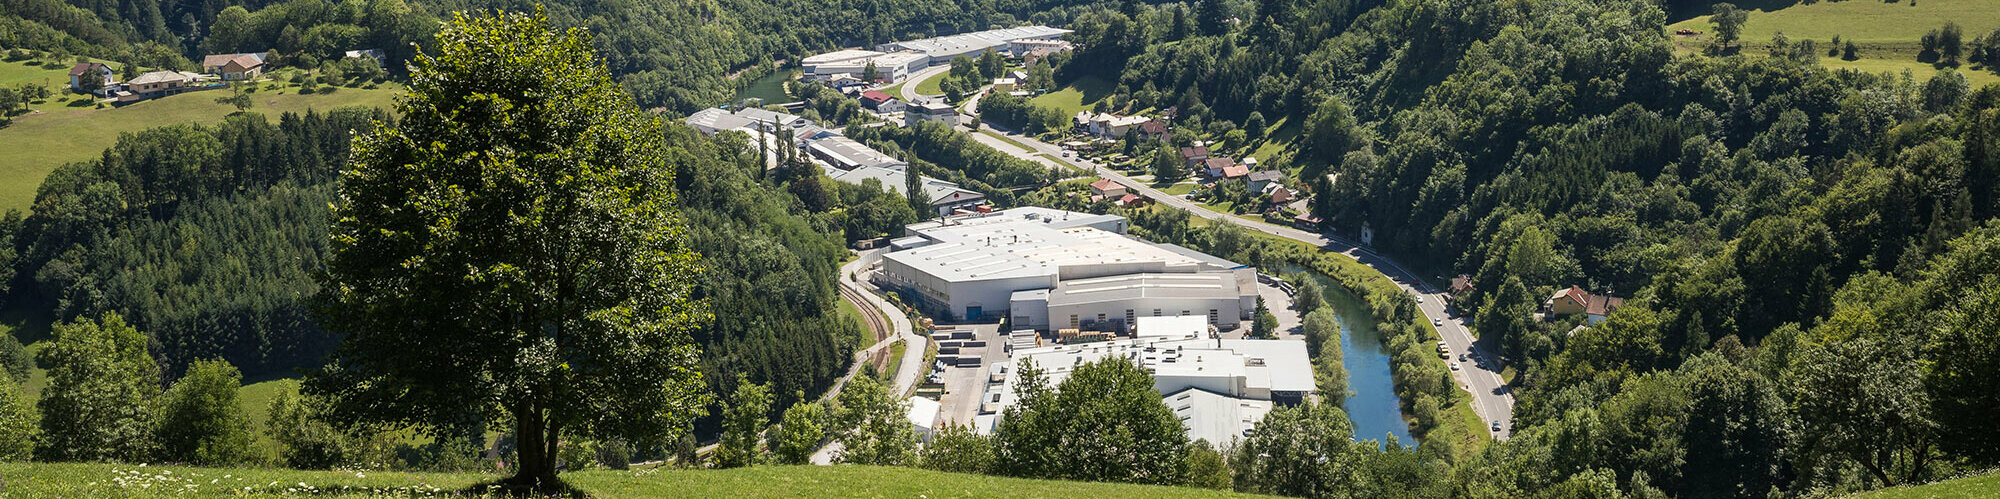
(513, 246)
(1103, 423)
(200, 419)
(98, 405)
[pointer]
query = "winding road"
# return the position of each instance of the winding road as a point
(1493, 400)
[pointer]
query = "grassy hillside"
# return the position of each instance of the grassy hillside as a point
(115, 480)
(68, 128)
(1886, 33)
(1979, 486)
(1076, 97)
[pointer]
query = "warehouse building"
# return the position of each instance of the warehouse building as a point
(890, 67)
(1044, 268)
(1015, 41)
(945, 197)
(847, 154)
(1220, 388)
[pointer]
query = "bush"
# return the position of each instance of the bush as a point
(200, 422)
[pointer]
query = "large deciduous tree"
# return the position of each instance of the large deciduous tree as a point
(98, 404)
(513, 247)
(201, 421)
(1103, 423)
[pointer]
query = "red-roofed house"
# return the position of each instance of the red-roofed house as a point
(1575, 300)
(1214, 167)
(1236, 171)
(1131, 200)
(881, 102)
(1108, 189)
(243, 66)
(1154, 129)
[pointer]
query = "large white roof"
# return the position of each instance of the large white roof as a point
(1219, 419)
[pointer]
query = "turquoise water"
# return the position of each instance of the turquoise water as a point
(771, 88)
(1374, 407)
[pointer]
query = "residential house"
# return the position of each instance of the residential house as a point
(107, 79)
(159, 84)
(1215, 168)
(1259, 180)
(1111, 125)
(1575, 300)
(1461, 285)
(1131, 201)
(232, 67)
(930, 111)
(1278, 194)
(1003, 85)
(1235, 172)
(1106, 189)
(1154, 129)
(1194, 156)
(881, 102)
(375, 54)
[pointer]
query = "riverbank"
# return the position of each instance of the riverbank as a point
(1440, 412)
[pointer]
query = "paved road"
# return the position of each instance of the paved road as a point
(910, 83)
(1492, 400)
(913, 355)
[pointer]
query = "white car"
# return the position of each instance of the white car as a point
(1454, 366)
(1420, 298)
(1437, 322)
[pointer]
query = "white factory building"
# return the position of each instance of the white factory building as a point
(1052, 269)
(1014, 41)
(889, 67)
(1220, 388)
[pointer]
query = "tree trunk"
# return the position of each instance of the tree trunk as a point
(535, 467)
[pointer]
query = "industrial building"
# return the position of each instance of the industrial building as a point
(930, 111)
(1220, 388)
(1016, 41)
(1044, 268)
(890, 67)
(945, 197)
(847, 154)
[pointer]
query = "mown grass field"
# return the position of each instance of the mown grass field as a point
(59, 134)
(118, 480)
(1864, 21)
(1886, 33)
(1987, 485)
(931, 86)
(1076, 97)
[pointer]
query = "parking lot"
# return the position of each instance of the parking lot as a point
(964, 386)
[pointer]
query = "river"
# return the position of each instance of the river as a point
(1373, 407)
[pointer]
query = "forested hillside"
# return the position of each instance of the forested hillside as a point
(1778, 228)
(207, 239)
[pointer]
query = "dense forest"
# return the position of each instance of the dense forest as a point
(207, 239)
(1777, 227)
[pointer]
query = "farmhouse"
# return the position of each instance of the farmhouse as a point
(232, 67)
(85, 71)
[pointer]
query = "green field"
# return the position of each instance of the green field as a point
(1861, 21)
(1077, 97)
(119, 480)
(930, 86)
(1886, 33)
(37, 143)
(1986, 485)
